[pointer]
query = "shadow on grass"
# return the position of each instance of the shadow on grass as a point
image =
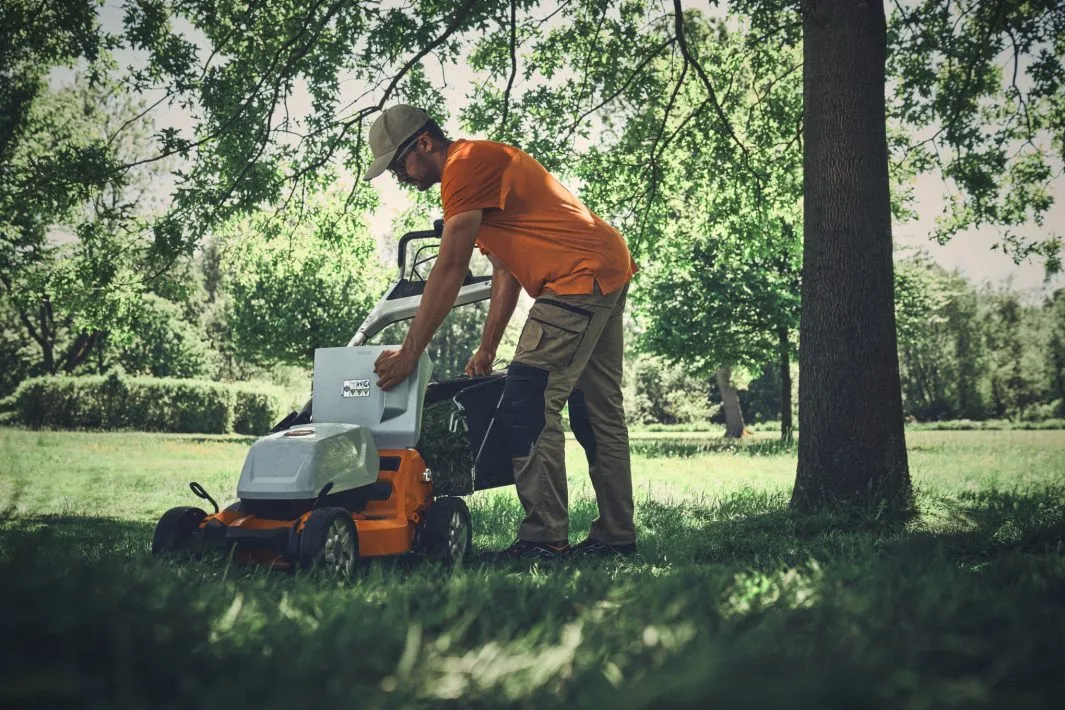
(759, 528)
(747, 527)
(734, 601)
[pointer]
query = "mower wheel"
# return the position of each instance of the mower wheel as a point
(329, 543)
(175, 529)
(448, 534)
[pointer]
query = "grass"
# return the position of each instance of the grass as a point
(733, 601)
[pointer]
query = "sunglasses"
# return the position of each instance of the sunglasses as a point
(398, 167)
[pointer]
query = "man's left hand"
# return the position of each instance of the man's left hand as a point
(392, 367)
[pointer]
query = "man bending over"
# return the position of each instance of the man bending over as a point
(539, 237)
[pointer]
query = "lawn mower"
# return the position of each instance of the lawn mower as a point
(342, 479)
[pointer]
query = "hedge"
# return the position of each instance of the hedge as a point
(143, 403)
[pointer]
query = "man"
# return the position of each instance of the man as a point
(539, 237)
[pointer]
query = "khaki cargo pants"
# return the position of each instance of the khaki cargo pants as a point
(570, 350)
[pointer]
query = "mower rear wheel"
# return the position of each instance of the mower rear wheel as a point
(175, 529)
(448, 534)
(329, 543)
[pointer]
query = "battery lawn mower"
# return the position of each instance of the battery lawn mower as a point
(344, 479)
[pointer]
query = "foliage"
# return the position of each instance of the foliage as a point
(661, 392)
(1046, 424)
(298, 284)
(1056, 350)
(161, 343)
(115, 401)
(978, 90)
(75, 257)
(256, 409)
(549, 78)
(972, 352)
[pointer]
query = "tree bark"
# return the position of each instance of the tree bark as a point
(79, 350)
(730, 401)
(852, 447)
(785, 385)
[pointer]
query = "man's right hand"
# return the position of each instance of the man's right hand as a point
(480, 363)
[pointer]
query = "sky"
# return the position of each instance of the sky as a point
(969, 252)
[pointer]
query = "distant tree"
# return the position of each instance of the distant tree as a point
(660, 392)
(970, 352)
(161, 342)
(929, 368)
(298, 284)
(74, 257)
(1056, 350)
(1017, 347)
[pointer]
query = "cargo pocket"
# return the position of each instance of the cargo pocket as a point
(552, 334)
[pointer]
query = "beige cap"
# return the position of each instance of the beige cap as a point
(394, 126)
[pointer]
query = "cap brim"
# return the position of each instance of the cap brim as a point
(379, 165)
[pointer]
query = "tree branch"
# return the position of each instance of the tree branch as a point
(708, 85)
(246, 103)
(513, 66)
(625, 85)
(459, 16)
(656, 152)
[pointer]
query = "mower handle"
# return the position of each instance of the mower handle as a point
(436, 233)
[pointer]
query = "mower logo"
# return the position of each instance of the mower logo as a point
(356, 388)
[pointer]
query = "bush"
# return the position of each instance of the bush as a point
(256, 409)
(663, 393)
(115, 401)
(1040, 412)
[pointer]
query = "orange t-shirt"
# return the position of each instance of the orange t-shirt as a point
(539, 230)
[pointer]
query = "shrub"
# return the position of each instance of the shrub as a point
(115, 401)
(256, 410)
(1040, 412)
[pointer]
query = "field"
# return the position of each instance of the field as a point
(734, 601)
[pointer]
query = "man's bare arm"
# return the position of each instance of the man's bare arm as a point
(445, 279)
(441, 289)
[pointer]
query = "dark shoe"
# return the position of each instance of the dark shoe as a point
(594, 548)
(527, 550)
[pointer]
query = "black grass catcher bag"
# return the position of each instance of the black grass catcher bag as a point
(462, 443)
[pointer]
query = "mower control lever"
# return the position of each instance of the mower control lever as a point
(199, 491)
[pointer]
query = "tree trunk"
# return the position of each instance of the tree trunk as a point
(785, 385)
(79, 350)
(730, 401)
(852, 447)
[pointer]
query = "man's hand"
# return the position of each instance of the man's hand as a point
(392, 367)
(481, 362)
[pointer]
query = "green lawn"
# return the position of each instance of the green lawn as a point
(733, 602)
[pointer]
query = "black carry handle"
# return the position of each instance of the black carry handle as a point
(199, 491)
(322, 494)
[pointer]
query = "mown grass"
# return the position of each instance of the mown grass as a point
(734, 601)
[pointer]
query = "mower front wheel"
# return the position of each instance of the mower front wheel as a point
(329, 543)
(448, 534)
(175, 529)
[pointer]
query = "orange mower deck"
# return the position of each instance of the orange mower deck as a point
(385, 527)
